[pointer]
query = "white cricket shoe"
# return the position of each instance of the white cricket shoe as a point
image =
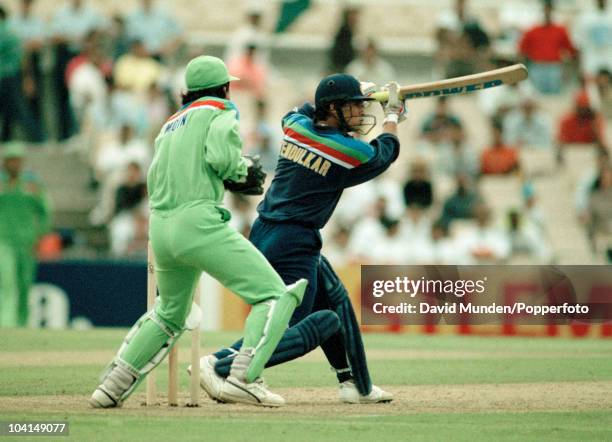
(255, 393)
(113, 386)
(210, 381)
(349, 394)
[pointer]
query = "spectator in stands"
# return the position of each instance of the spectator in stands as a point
(371, 67)
(159, 32)
(367, 230)
(253, 73)
(593, 35)
(484, 243)
(24, 219)
(355, 202)
(335, 249)
(114, 157)
(385, 244)
(461, 204)
(128, 228)
(262, 140)
(587, 183)
(527, 126)
(127, 108)
(33, 33)
(250, 32)
(343, 50)
(438, 126)
(601, 93)
(463, 45)
(137, 71)
(531, 210)
(600, 208)
(86, 78)
(499, 158)
(120, 39)
(441, 250)
(456, 157)
(527, 231)
(545, 47)
(497, 102)
(513, 19)
(71, 24)
(418, 190)
(526, 239)
(414, 234)
(391, 190)
(583, 125)
(110, 165)
(389, 248)
(158, 111)
(12, 104)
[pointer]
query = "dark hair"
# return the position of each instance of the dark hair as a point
(439, 224)
(322, 112)
(604, 71)
(388, 222)
(2, 13)
(217, 91)
(497, 123)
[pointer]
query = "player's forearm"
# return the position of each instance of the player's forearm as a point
(390, 127)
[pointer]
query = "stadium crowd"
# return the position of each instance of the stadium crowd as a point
(116, 79)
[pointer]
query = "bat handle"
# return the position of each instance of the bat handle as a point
(381, 96)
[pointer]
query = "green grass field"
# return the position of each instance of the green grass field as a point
(446, 388)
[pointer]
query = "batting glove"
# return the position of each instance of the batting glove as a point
(395, 108)
(368, 88)
(253, 184)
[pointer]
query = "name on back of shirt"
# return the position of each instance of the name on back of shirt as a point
(305, 158)
(175, 124)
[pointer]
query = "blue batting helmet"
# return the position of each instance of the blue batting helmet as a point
(339, 87)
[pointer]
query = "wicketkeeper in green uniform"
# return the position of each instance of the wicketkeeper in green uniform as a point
(197, 156)
(24, 218)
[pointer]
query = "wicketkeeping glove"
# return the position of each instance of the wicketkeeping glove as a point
(395, 108)
(254, 181)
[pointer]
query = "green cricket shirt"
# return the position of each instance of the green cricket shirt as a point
(24, 210)
(196, 149)
(11, 51)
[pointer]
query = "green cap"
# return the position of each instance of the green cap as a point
(205, 71)
(14, 149)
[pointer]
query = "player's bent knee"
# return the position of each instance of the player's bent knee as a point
(327, 323)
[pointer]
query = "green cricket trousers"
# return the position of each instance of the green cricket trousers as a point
(185, 242)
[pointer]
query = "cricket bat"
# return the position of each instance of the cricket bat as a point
(459, 85)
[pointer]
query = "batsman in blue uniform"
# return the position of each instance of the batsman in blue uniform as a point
(318, 159)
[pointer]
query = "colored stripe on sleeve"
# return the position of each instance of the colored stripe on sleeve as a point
(321, 149)
(358, 150)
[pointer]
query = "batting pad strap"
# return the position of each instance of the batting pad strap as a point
(131, 370)
(139, 375)
(132, 332)
(160, 355)
(156, 319)
(343, 370)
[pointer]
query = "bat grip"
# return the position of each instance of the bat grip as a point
(381, 96)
